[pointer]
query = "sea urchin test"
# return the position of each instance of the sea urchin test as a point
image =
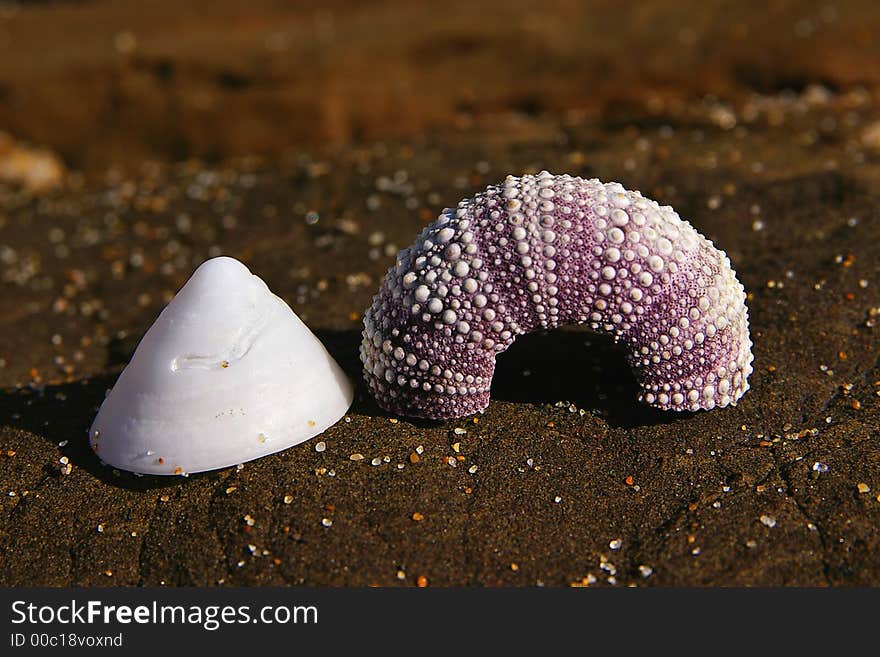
(538, 252)
(226, 374)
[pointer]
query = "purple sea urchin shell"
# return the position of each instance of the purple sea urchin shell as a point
(543, 251)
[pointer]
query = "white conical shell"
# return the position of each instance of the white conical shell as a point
(226, 374)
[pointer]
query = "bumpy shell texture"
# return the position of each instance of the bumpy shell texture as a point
(538, 252)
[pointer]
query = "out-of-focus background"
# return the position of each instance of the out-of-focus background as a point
(108, 82)
(313, 140)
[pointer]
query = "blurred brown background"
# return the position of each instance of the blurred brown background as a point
(101, 81)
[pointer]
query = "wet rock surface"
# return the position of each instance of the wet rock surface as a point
(565, 479)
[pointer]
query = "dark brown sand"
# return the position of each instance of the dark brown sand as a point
(761, 127)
